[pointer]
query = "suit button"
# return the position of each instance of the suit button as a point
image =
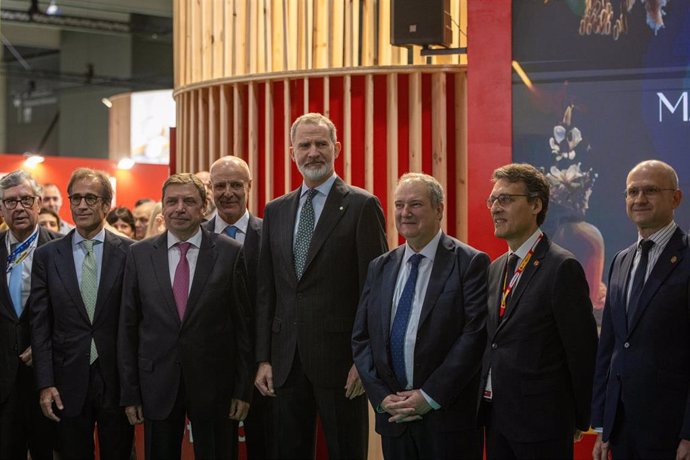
(626, 345)
(494, 346)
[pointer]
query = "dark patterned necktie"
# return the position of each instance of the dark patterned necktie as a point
(639, 280)
(305, 229)
(402, 319)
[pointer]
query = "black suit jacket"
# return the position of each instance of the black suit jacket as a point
(648, 364)
(251, 247)
(60, 328)
(541, 354)
(210, 349)
(450, 337)
(14, 331)
(318, 311)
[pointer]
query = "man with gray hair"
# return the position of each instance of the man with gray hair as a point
(76, 288)
(420, 332)
(317, 242)
(22, 426)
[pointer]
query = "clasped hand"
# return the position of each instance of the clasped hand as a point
(405, 406)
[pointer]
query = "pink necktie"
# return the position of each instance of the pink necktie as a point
(181, 281)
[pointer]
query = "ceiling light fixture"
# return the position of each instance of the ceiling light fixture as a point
(53, 9)
(32, 160)
(125, 163)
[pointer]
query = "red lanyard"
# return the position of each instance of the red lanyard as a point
(508, 287)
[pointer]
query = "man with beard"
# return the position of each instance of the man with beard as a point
(316, 245)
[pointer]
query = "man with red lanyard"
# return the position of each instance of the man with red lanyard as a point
(539, 361)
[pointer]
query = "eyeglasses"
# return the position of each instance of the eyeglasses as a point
(650, 191)
(504, 199)
(75, 200)
(26, 201)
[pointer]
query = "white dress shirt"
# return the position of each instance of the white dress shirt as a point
(423, 276)
(174, 255)
(241, 224)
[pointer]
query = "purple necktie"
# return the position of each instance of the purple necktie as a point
(181, 281)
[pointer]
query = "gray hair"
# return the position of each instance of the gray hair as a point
(433, 186)
(19, 177)
(314, 119)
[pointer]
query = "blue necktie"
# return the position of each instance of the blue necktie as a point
(638, 281)
(402, 319)
(231, 231)
(16, 285)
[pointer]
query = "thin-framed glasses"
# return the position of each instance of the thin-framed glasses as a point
(504, 199)
(90, 199)
(649, 191)
(26, 201)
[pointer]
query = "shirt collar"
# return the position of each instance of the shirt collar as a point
(241, 224)
(323, 189)
(527, 245)
(77, 238)
(661, 236)
(428, 251)
(12, 240)
(194, 239)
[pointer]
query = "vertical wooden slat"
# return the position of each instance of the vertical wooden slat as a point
(292, 32)
(327, 97)
(268, 144)
(391, 154)
(369, 133)
(385, 48)
(200, 154)
(179, 19)
(207, 47)
(355, 34)
(347, 128)
(213, 125)
(224, 144)
(286, 129)
(309, 32)
(238, 125)
(320, 34)
(338, 34)
(253, 48)
(347, 16)
(218, 39)
(193, 133)
(253, 138)
(460, 152)
(439, 133)
(229, 24)
(415, 121)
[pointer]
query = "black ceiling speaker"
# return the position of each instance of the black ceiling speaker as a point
(421, 22)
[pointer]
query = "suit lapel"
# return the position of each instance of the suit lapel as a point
(495, 286)
(440, 271)
(530, 270)
(668, 260)
(204, 265)
(111, 266)
(5, 299)
(251, 240)
(618, 315)
(287, 215)
(65, 268)
(334, 208)
(161, 271)
(390, 277)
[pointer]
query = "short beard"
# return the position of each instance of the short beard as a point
(316, 175)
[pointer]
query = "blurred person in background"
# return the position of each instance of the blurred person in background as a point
(52, 199)
(122, 220)
(49, 219)
(142, 213)
(156, 224)
(205, 178)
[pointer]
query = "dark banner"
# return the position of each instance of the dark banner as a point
(606, 85)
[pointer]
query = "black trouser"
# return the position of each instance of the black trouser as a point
(115, 434)
(418, 443)
(258, 428)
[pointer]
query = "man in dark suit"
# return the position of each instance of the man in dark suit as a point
(75, 303)
(641, 404)
(231, 183)
(22, 426)
(184, 344)
(420, 333)
(542, 337)
(316, 245)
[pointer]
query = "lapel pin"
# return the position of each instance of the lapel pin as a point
(341, 208)
(536, 263)
(674, 259)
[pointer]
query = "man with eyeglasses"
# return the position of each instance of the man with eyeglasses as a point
(22, 426)
(641, 404)
(542, 337)
(231, 183)
(76, 289)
